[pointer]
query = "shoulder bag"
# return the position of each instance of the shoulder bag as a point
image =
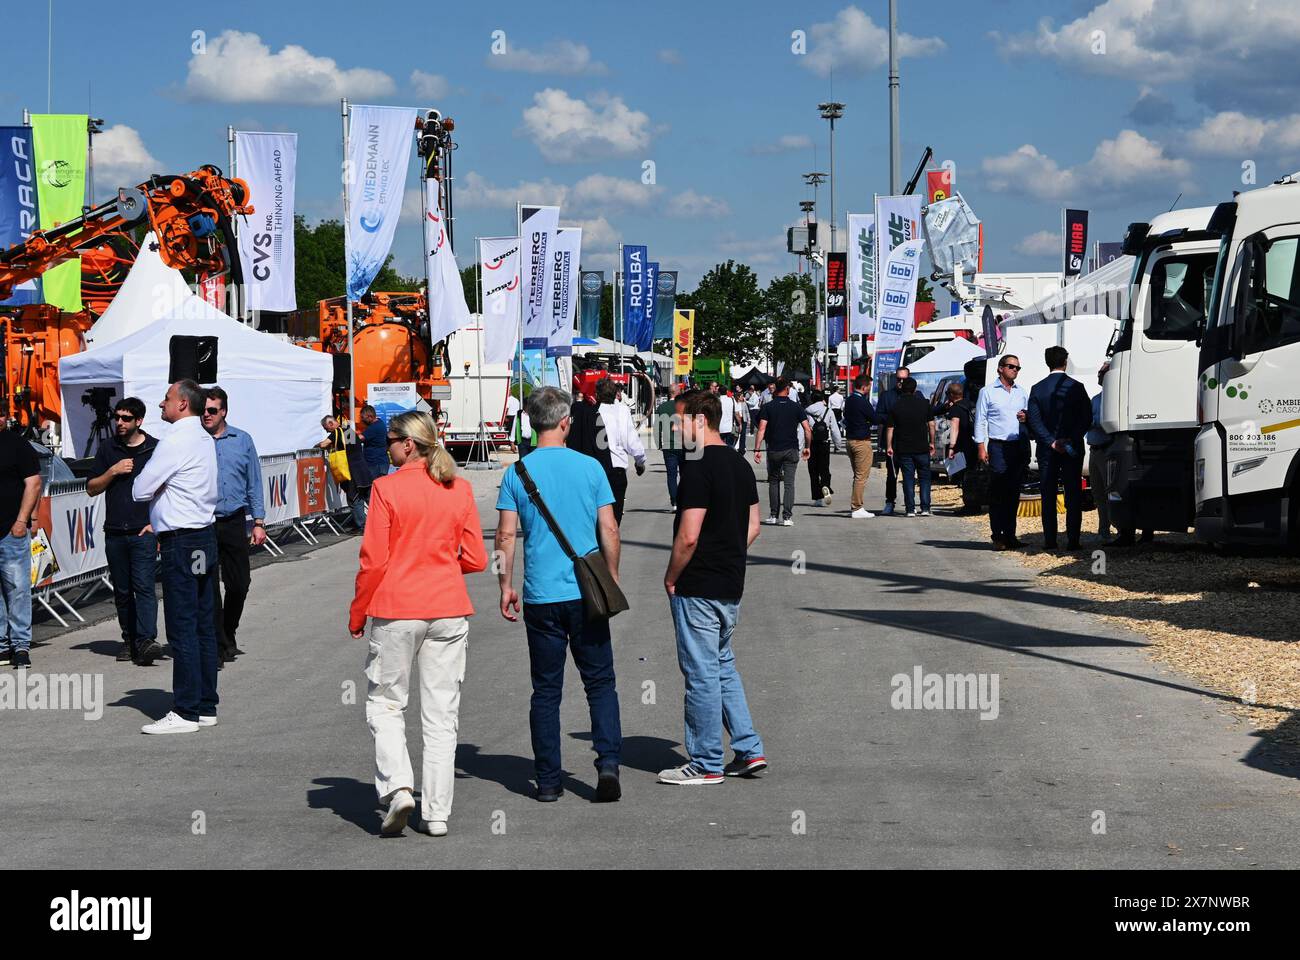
(601, 596)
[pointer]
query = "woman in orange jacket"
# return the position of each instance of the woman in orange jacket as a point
(422, 536)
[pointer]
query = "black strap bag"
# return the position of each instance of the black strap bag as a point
(601, 596)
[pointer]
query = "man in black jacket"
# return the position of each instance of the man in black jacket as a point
(1058, 416)
(884, 407)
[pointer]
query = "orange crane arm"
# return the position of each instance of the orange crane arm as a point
(190, 214)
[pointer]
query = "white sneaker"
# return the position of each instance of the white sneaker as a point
(827, 499)
(787, 522)
(433, 828)
(924, 513)
(862, 513)
(207, 721)
(172, 723)
(399, 811)
(910, 513)
(772, 521)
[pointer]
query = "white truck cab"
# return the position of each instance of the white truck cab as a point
(1247, 455)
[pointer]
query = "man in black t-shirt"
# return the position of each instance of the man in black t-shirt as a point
(130, 546)
(20, 493)
(779, 421)
(717, 520)
(909, 441)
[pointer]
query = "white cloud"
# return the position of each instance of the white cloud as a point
(1117, 168)
(1040, 244)
(122, 159)
(429, 86)
(1234, 134)
(783, 144)
(854, 43)
(567, 129)
(601, 191)
(689, 205)
(1229, 53)
(562, 57)
(671, 57)
(239, 68)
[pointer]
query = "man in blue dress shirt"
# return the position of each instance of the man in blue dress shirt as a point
(999, 419)
(239, 474)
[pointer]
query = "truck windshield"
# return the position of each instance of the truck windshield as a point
(1180, 288)
(1271, 292)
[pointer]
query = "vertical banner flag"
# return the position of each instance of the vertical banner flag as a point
(538, 226)
(564, 294)
(665, 301)
(634, 260)
(990, 326)
(447, 309)
(1106, 252)
(898, 220)
(499, 288)
(19, 209)
(862, 273)
(645, 336)
(683, 342)
(593, 289)
(898, 295)
(1076, 241)
(379, 150)
(938, 186)
(268, 162)
(60, 142)
(836, 307)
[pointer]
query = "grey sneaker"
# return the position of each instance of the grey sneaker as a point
(772, 521)
(688, 775)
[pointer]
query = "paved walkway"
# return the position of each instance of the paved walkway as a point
(1086, 728)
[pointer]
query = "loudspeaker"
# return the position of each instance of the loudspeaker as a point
(192, 358)
(342, 371)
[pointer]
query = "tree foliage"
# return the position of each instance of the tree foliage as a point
(319, 268)
(729, 314)
(789, 314)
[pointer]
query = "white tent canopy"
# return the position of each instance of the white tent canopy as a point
(152, 290)
(278, 392)
(1104, 291)
(947, 357)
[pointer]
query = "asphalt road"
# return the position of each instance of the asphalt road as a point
(1088, 733)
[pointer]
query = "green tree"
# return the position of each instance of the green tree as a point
(319, 267)
(729, 314)
(789, 314)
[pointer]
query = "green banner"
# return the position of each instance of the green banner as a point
(60, 144)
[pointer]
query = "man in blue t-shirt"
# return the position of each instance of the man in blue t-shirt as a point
(374, 442)
(576, 492)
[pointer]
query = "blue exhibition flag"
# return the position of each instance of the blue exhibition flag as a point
(634, 292)
(645, 333)
(19, 209)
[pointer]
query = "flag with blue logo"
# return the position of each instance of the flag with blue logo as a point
(379, 149)
(645, 335)
(634, 292)
(19, 206)
(665, 303)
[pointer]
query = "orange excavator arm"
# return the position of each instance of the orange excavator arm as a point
(191, 215)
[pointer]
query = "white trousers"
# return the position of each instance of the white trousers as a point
(437, 648)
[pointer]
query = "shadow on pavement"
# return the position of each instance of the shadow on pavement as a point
(650, 754)
(513, 773)
(1278, 750)
(349, 798)
(150, 701)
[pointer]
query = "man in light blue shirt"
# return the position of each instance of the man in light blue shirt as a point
(999, 415)
(577, 494)
(239, 495)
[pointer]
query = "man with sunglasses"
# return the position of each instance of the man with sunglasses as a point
(129, 542)
(239, 480)
(999, 431)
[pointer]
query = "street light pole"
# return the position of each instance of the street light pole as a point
(895, 161)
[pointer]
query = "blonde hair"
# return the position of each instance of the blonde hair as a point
(418, 427)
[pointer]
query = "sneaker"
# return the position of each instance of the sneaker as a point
(5, 658)
(22, 660)
(827, 499)
(923, 513)
(399, 811)
(745, 766)
(862, 513)
(688, 775)
(549, 794)
(432, 828)
(124, 654)
(208, 721)
(608, 789)
(172, 723)
(146, 655)
(910, 513)
(772, 521)
(888, 511)
(788, 522)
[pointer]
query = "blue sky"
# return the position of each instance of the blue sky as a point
(1035, 111)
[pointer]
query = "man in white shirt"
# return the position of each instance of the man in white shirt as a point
(727, 426)
(623, 440)
(181, 485)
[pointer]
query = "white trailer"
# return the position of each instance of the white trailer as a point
(462, 414)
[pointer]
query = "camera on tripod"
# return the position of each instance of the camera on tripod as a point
(99, 399)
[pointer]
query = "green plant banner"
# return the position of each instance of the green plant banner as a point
(60, 145)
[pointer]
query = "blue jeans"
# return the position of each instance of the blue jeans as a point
(189, 565)
(133, 566)
(715, 697)
(553, 627)
(16, 591)
(672, 465)
(914, 466)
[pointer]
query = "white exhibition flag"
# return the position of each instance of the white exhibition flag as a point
(267, 162)
(379, 141)
(447, 309)
(499, 285)
(538, 226)
(564, 291)
(898, 220)
(898, 295)
(862, 273)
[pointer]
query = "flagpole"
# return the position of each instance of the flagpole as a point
(233, 299)
(519, 272)
(618, 303)
(478, 300)
(347, 297)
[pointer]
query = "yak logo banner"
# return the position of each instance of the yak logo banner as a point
(81, 528)
(279, 490)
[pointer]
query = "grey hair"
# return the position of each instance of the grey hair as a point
(193, 395)
(547, 407)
